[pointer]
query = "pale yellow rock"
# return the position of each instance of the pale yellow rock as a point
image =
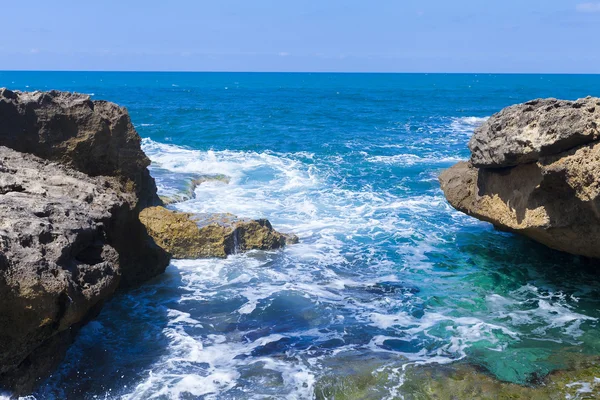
(554, 201)
(189, 236)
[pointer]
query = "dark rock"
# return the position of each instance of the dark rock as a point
(62, 253)
(94, 137)
(70, 232)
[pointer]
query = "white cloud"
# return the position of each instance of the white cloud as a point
(588, 7)
(284, 54)
(34, 51)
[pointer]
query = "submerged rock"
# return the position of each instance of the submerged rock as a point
(456, 381)
(186, 235)
(188, 192)
(552, 195)
(465, 381)
(70, 232)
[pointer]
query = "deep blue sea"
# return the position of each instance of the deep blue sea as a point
(385, 269)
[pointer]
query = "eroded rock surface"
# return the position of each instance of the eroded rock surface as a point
(525, 132)
(94, 137)
(552, 195)
(60, 245)
(70, 232)
(186, 235)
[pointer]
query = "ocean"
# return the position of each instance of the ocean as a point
(386, 273)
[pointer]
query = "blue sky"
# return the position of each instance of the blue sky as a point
(302, 35)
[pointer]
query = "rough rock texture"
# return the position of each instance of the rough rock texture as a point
(70, 232)
(94, 137)
(525, 132)
(555, 198)
(60, 244)
(187, 235)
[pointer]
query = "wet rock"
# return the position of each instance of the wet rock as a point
(525, 132)
(465, 381)
(188, 192)
(187, 235)
(455, 381)
(209, 178)
(555, 198)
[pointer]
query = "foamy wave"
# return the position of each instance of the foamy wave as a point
(467, 125)
(541, 311)
(412, 159)
(266, 324)
(219, 357)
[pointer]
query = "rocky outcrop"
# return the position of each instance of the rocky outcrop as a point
(187, 235)
(523, 133)
(70, 233)
(94, 137)
(60, 254)
(535, 170)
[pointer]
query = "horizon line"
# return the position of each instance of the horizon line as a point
(301, 72)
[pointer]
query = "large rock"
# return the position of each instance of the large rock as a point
(94, 137)
(553, 199)
(186, 235)
(525, 132)
(61, 246)
(70, 232)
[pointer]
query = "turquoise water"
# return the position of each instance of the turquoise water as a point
(385, 268)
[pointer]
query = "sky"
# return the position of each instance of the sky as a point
(503, 36)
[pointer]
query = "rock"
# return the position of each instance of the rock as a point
(188, 191)
(70, 233)
(209, 178)
(465, 381)
(456, 381)
(553, 200)
(187, 235)
(94, 137)
(63, 251)
(525, 132)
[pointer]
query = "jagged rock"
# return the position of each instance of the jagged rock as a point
(525, 132)
(554, 200)
(70, 232)
(61, 241)
(186, 235)
(94, 137)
